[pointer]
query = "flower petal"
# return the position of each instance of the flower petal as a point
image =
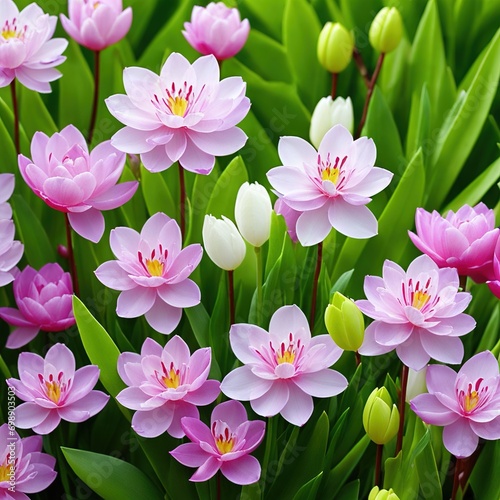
(242, 471)
(459, 439)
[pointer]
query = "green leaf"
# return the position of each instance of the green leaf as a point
(200, 323)
(157, 194)
(342, 283)
(418, 130)
(350, 491)
(33, 113)
(484, 480)
(263, 17)
(110, 477)
(309, 490)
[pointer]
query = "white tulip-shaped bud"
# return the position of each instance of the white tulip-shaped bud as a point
(328, 113)
(252, 212)
(223, 243)
(416, 383)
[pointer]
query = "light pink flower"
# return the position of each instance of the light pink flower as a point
(6, 189)
(27, 50)
(152, 272)
(464, 240)
(97, 24)
(165, 384)
(185, 114)
(494, 282)
(419, 313)
(467, 404)
(33, 470)
(226, 445)
(290, 215)
(283, 368)
(11, 251)
(216, 29)
(331, 186)
(53, 390)
(69, 179)
(44, 299)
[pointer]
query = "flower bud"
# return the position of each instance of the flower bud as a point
(345, 323)
(326, 114)
(335, 46)
(386, 30)
(252, 212)
(416, 383)
(377, 494)
(223, 243)
(380, 417)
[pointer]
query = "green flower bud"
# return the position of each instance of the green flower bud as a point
(378, 494)
(386, 30)
(345, 323)
(335, 46)
(380, 417)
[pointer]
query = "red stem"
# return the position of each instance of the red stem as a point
(315, 285)
(402, 406)
(378, 464)
(95, 102)
(335, 78)
(16, 115)
(71, 257)
(358, 358)
(358, 59)
(182, 187)
(456, 478)
(230, 275)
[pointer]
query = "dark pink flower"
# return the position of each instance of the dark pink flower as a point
(165, 384)
(466, 404)
(53, 390)
(226, 445)
(494, 282)
(44, 299)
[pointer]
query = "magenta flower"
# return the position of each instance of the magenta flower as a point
(185, 114)
(165, 384)
(6, 190)
(152, 272)
(11, 251)
(23, 466)
(27, 50)
(44, 299)
(97, 24)
(69, 179)
(226, 445)
(53, 390)
(331, 186)
(467, 404)
(216, 29)
(283, 368)
(494, 282)
(419, 313)
(464, 240)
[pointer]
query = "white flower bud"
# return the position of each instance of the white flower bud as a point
(416, 383)
(252, 212)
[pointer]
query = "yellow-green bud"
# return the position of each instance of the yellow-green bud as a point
(345, 323)
(335, 46)
(380, 417)
(386, 30)
(378, 494)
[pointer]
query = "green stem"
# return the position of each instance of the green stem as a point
(4, 368)
(315, 285)
(16, 115)
(71, 257)
(59, 440)
(230, 276)
(95, 103)
(258, 254)
(182, 201)
(271, 431)
(402, 406)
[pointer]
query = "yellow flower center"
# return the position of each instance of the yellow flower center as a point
(225, 439)
(155, 267)
(420, 298)
(172, 379)
(53, 391)
(7, 34)
(10, 30)
(471, 400)
(178, 105)
(330, 174)
(5, 471)
(328, 171)
(288, 354)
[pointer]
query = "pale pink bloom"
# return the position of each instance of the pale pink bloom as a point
(216, 29)
(11, 251)
(464, 240)
(53, 390)
(165, 384)
(27, 50)
(467, 404)
(225, 446)
(33, 470)
(97, 24)
(283, 368)
(68, 178)
(494, 282)
(185, 114)
(44, 299)
(331, 186)
(6, 190)
(290, 215)
(152, 272)
(418, 312)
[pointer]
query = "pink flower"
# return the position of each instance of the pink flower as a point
(44, 301)
(290, 215)
(69, 179)
(27, 50)
(226, 445)
(216, 29)
(53, 390)
(467, 404)
(464, 240)
(283, 368)
(494, 283)
(23, 466)
(11, 251)
(97, 24)
(6, 190)
(185, 114)
(165, 384)
(418, 313)
(152, 272)
(329, 187)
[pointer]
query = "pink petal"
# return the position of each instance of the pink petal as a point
(445, 349)
(135, 302)
(176, 146)
(432, 411)
(196, 160)
(88, 224)
(110, 274)
(289, 319)
(62, 359)
(459, 439)
(21, 336)
(49, 424)
(370, 347)
(273, 401)
(481, 366)
(156, 160)
(244, 385)
(313, 226)
(14, 317)
(163, 317)
(295, 151)
(355, 221)
(132, 398)
(122, 108)
(84, 408)
(205, 395)
(219, 143)
(296, 185)
(244, 470)
(183, 294)
(207, 470)
(412, 353)
(322, 384)
(442, 379)
(29, 415)
(84, 381)
(115, 197)
(299, 407)
(131, 140)
(153, 423)
(185, 262)
(391, 335)
(232, 412)
(242, 337)
(190, 455)
(487, 430)
(376, 180)
(181, 410)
